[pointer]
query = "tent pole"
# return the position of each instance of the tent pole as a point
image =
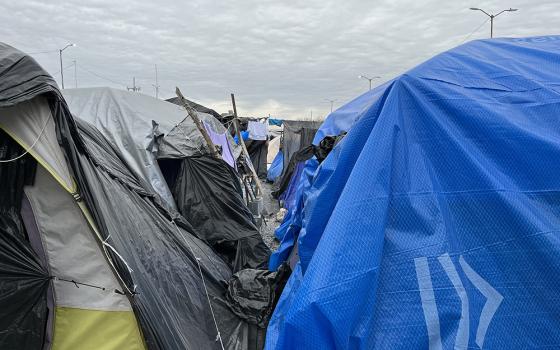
(198, 124)
(243, 147)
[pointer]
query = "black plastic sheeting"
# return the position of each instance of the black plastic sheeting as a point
(297, 135)
(258, 151)
(23, 294)
(200, 108)
(167, 295)
(208, 194)
(171, 304)
(282, 182)
(21, 77)
(23, 280)
(320, 152)
(253, 294)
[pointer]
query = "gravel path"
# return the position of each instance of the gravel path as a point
(271, 209)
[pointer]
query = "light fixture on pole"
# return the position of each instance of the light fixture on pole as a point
(492, 16)
(370, 79)
(62, 69)
(332, 102)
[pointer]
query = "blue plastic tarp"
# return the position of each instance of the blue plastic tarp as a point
(276, 167)
(435, 223)
(277, 122)
(289, 195)
(337, 122)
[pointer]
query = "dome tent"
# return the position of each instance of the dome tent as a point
(434, 223)
(90, 245)
(164, 147)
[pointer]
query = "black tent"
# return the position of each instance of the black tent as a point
(173, 280)
(297, 147)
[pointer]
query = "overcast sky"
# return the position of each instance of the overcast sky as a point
(279, 57)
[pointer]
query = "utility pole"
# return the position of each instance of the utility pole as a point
(311, 115)
(134, 87)
(61, 68)
(156, 86)
(332, 102)
(75, 75)
(492, 16)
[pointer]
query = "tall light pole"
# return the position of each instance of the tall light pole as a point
(492, 16)
(332, 102)
(75, 75)
(370, 79)
(62, 69)
(156, 85)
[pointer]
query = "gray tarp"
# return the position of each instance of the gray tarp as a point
(184, 140)
(298, 134)
(131, 122)
(135, 123)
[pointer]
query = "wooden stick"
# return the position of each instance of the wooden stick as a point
(243, 147)
(198, 124)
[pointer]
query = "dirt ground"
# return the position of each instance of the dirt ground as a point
(270, 224)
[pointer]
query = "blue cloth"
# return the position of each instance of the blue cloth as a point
(276, 167)
(244, 136)
(435, 223)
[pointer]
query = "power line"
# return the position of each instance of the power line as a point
(65, 68)
(39, 52)
(476, 30)
(81, 66)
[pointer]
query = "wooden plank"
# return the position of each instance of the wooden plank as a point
(243, 147)
(192, 113)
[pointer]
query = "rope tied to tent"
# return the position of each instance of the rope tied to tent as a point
(218, 335)
(78, 284)
(32, 145)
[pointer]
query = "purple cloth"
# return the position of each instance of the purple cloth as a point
(221, 140)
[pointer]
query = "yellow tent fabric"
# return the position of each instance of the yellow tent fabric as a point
(95, 330)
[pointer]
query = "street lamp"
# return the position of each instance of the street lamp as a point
(370, 79)
(492, 17)
(62, 69)
(332, 102)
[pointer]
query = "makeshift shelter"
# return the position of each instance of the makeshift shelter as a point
(89, 259)
(204, 190)
(297, 135)
(273, 149)
(434, 224)
(135, 124)
(257, 144)
(296, 149)
(275, 157)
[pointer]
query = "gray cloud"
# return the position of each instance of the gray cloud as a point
(283, 58)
